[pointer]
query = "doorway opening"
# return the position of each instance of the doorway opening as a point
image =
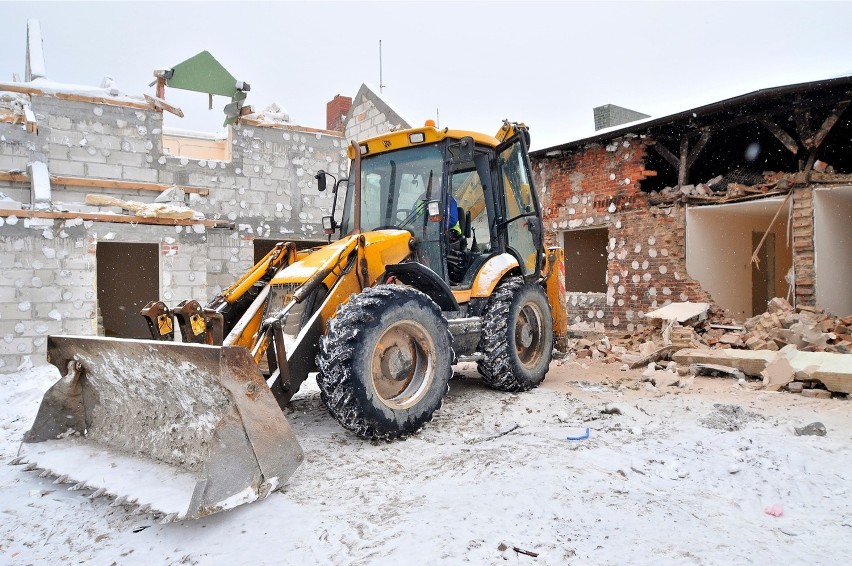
(586, 260)
(720, 241)
(128, 277)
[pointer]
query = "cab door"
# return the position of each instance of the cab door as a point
(521, 216)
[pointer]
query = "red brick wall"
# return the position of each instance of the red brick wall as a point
(803, 245)
(335, 112)
(599, 186)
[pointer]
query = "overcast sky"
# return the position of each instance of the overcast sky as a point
(475, 63)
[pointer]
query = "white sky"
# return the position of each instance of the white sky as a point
(547, 64)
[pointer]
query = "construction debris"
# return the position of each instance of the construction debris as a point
(145, 210)
(813, 429)
(807, 328)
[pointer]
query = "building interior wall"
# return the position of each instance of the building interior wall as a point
(719, 250)
(833, 249)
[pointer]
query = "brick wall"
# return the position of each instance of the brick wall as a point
(335, 113)
(803, 246)
(599, 187)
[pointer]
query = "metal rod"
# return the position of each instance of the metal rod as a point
(381, 83)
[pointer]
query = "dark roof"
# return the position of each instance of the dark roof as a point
(763, 101)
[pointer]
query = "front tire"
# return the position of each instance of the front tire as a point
(517, 336)
(385, 362)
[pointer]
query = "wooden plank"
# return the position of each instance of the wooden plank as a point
(666, 154)
(699, 147)
(12, 177)
(288, 127)
(13, 87)
(100, 100)
(829, 122)
(102, 183)
(683, 169)
(121, 185)
(114, 218)
(777, 131)
(163, 105)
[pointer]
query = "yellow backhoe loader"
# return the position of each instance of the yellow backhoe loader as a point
(439, 259)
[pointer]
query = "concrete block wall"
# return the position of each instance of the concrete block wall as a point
(266, 190)
(599, 186)
(47, 285)
(371, 116)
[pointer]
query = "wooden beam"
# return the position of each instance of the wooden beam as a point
(115, 218)
(829, 122)
(102, 183)
(683, 169)
(288, 127)
(777, 131)
(12, 177)
(699, 147)
(122, 185)
(802, 119)
(14, 87)
(161, 104)
(666, 154)
(101, 100)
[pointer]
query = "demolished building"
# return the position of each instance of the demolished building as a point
(104, 209)
(732, 203)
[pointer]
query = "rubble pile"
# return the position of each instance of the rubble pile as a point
(737, 183)
(810, 329)
(708, 328)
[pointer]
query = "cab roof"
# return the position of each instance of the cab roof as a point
(403, 138)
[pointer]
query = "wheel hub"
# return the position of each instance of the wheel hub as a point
(403, 364)
(529, 328)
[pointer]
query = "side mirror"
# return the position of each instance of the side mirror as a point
(328, 225)
(465, 152)
(320, 177)
(534, 226)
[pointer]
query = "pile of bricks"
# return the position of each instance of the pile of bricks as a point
(808, 328)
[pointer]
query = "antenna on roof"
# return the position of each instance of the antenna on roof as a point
(381, 84)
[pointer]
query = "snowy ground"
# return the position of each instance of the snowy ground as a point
(666, 481)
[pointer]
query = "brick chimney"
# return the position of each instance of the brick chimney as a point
(335, 113)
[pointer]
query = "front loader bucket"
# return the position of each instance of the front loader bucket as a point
(182, 430)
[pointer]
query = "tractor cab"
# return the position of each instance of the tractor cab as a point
(465, 197)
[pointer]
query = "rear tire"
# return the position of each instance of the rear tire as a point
(517, 336)
(385, 362)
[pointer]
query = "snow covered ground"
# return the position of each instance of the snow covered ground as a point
(680, 476)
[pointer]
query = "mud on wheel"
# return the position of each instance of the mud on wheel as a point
(384, 362)
(517, 336)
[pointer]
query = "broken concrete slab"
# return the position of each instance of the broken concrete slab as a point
(777, 374)
(831, 369)
(680, 312)
(652, 357)
(750, 362)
